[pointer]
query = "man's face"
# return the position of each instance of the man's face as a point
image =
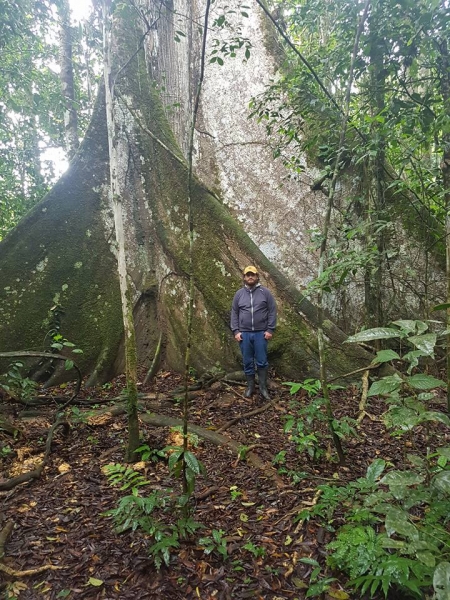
(251, 279)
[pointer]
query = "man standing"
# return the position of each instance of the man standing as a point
(253, 321)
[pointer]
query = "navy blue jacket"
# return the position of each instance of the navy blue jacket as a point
(253, 310)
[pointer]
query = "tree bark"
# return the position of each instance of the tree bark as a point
(67, 79)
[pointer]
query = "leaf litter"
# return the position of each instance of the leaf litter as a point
(58, 518)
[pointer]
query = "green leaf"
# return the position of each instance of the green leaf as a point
(441, 581)
(402, 478)
(426, 558)
(444, 452)
(192, 462)
(375, 469)
(441, 481)
(385, 356)
(385, 386)
(420, 381)
(409, 326)
(95, 582)
(68, 365)
(378, 333)
(391, 544)
(413, 358)
(309, 561)
(434, 416)
(441, 306)
(425, 342)
(397, 522)
(174, 458)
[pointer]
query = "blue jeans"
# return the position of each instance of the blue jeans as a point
(254, 350)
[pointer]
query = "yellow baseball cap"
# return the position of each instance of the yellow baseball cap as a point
(250, 269)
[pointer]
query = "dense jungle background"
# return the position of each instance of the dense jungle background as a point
(151, 149)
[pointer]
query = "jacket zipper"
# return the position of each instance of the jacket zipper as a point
(251, 305)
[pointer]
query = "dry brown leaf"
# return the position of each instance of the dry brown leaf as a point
(64, 468)
(98, 420)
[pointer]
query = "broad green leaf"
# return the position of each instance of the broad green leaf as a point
(441, 481)
(441, 581)
(426, 558)
(397, 522)
(385, 356)
(401, 417)
(192, 462)
(424, 382)
(402, 478)
(415, 460)
(425, 342)
(413, 358)
(408, 326)
(95, 582)
(377, 333)
(385, 386)
(432, 415)
(68, 364)
(444, 452)
(375, 469)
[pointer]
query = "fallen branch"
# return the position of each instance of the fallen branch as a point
(212, 436)
(218, 439)
(355, 372)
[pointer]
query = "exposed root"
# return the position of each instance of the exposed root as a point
(4, 535)
(59, 357)
(155, 362)
(219, 440)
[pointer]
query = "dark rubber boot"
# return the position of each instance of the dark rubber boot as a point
(250, 386)
(262, 377)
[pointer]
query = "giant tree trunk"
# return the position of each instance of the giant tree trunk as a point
(63, 253)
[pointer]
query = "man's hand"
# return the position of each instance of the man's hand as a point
(267, 335)
(238, 336)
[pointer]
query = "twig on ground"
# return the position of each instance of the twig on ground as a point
(28, 572)
(251, 413)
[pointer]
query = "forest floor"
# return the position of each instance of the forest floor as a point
(58, 518)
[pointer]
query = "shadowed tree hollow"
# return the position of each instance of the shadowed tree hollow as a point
(58, 267)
